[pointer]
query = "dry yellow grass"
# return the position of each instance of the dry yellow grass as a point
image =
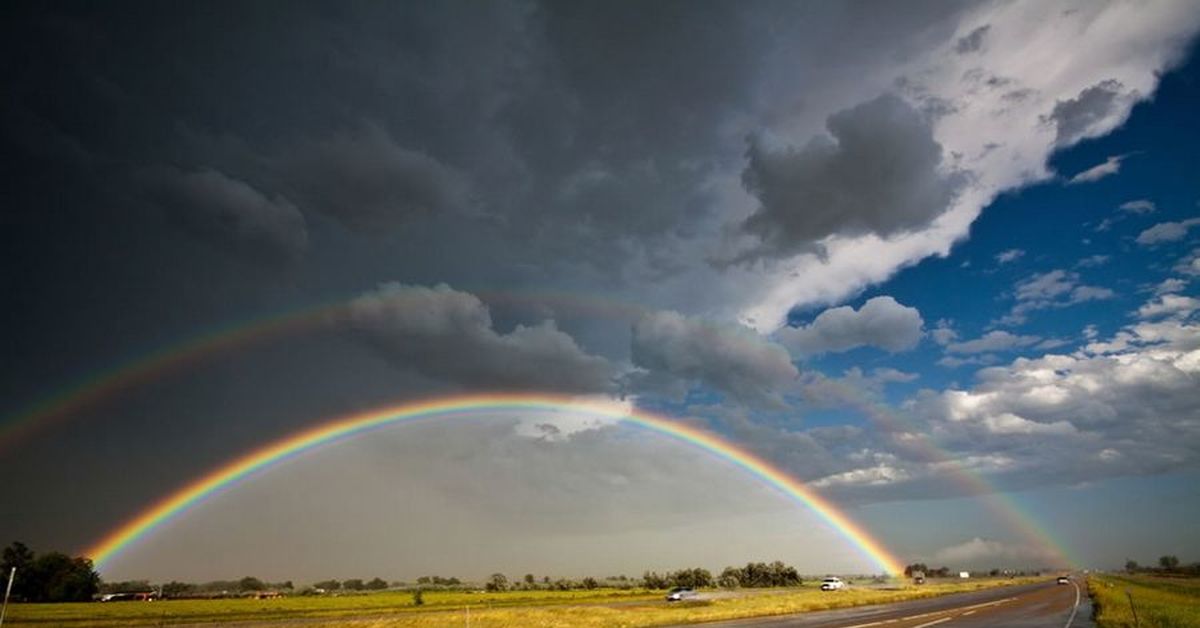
(583, 609)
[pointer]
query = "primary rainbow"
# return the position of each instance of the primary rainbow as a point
(343, 427)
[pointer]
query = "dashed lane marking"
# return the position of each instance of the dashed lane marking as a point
(934, 622)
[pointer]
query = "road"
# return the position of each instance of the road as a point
(1026, 606)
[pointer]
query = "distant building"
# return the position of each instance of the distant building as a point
(964, 574)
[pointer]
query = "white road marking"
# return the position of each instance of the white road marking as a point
(968, 613)
(936, 621)
(1076, 608)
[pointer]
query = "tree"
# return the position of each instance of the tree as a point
(1131, 566)
(56, 577)
(328, 585)
(497, 582)
(590, 583)
(529, 578)
(1169, 563)
(909, 570)
(250, 583)
(377, 584)
(177, 589)
(652, 580)
(353, 584)
(19, 556)
(729, 579)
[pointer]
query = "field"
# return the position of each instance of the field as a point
(1159, 602)
(601, 607)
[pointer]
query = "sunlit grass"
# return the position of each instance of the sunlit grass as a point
(601, 607)
(1159, 602)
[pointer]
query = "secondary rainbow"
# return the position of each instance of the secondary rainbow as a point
(344, 427)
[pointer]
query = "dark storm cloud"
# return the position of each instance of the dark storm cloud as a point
(729, 358)
(231, 213)
(973, 41)
(1075, 118)
(367, 181)
(880, 173)
(448, 335)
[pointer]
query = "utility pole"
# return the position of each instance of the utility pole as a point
(12, 574)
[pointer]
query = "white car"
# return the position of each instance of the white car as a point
(832, 584)
(679, 594)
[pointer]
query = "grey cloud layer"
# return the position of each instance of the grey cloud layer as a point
(881, 322)
(674, 349)
(231, 213)
(881, 173)
(448, 335)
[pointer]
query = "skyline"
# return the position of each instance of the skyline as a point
(935, 263)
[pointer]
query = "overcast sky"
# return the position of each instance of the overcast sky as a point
(878, 244)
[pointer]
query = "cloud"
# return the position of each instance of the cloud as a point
(1170, 285)
(1189, 264)
(981, 553)
(447, 335)
(1087, 114)
(973, 41)
(1111, 166)
(672, 349)
(881, 173)
(1055, 416)
(1054, 289)
(991, 342)
(1140, 206)
(1011, 255)
(999, 141)
(1169, 305)
(368, 181)
(943, 333)
(881, 322)
(1093, 261)
(231, 213)
(950, 361)
(1167, 232)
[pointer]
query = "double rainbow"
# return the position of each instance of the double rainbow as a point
(345, 427)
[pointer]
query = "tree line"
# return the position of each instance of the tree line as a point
(1167, 564)
(56, 577)
(50, 577)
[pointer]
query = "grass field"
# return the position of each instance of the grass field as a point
(602, 607)
(1159, 602)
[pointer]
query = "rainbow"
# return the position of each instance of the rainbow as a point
(907, 434)
(178, 502)
(97, 387)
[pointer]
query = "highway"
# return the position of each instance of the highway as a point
(1026, 606)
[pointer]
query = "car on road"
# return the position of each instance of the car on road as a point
(680, 593)
(1064, 580)
(832, 584)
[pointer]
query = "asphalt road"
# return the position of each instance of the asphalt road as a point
(1026, 606)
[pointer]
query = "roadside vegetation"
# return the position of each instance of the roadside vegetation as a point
(583, 608)
(1164, 597)
(56, 590)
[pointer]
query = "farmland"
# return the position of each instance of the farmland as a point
(601, 607)
(1159, 602)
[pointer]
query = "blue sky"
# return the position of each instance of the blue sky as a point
(982, 218)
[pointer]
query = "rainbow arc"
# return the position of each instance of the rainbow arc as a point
(341, 428)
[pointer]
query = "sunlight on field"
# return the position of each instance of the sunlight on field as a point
(1158, 602)
(602, 607)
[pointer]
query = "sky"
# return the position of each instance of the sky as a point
(939, 261)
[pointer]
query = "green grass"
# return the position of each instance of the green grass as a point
(1160, 602)
(585, 609)
(167, 612)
